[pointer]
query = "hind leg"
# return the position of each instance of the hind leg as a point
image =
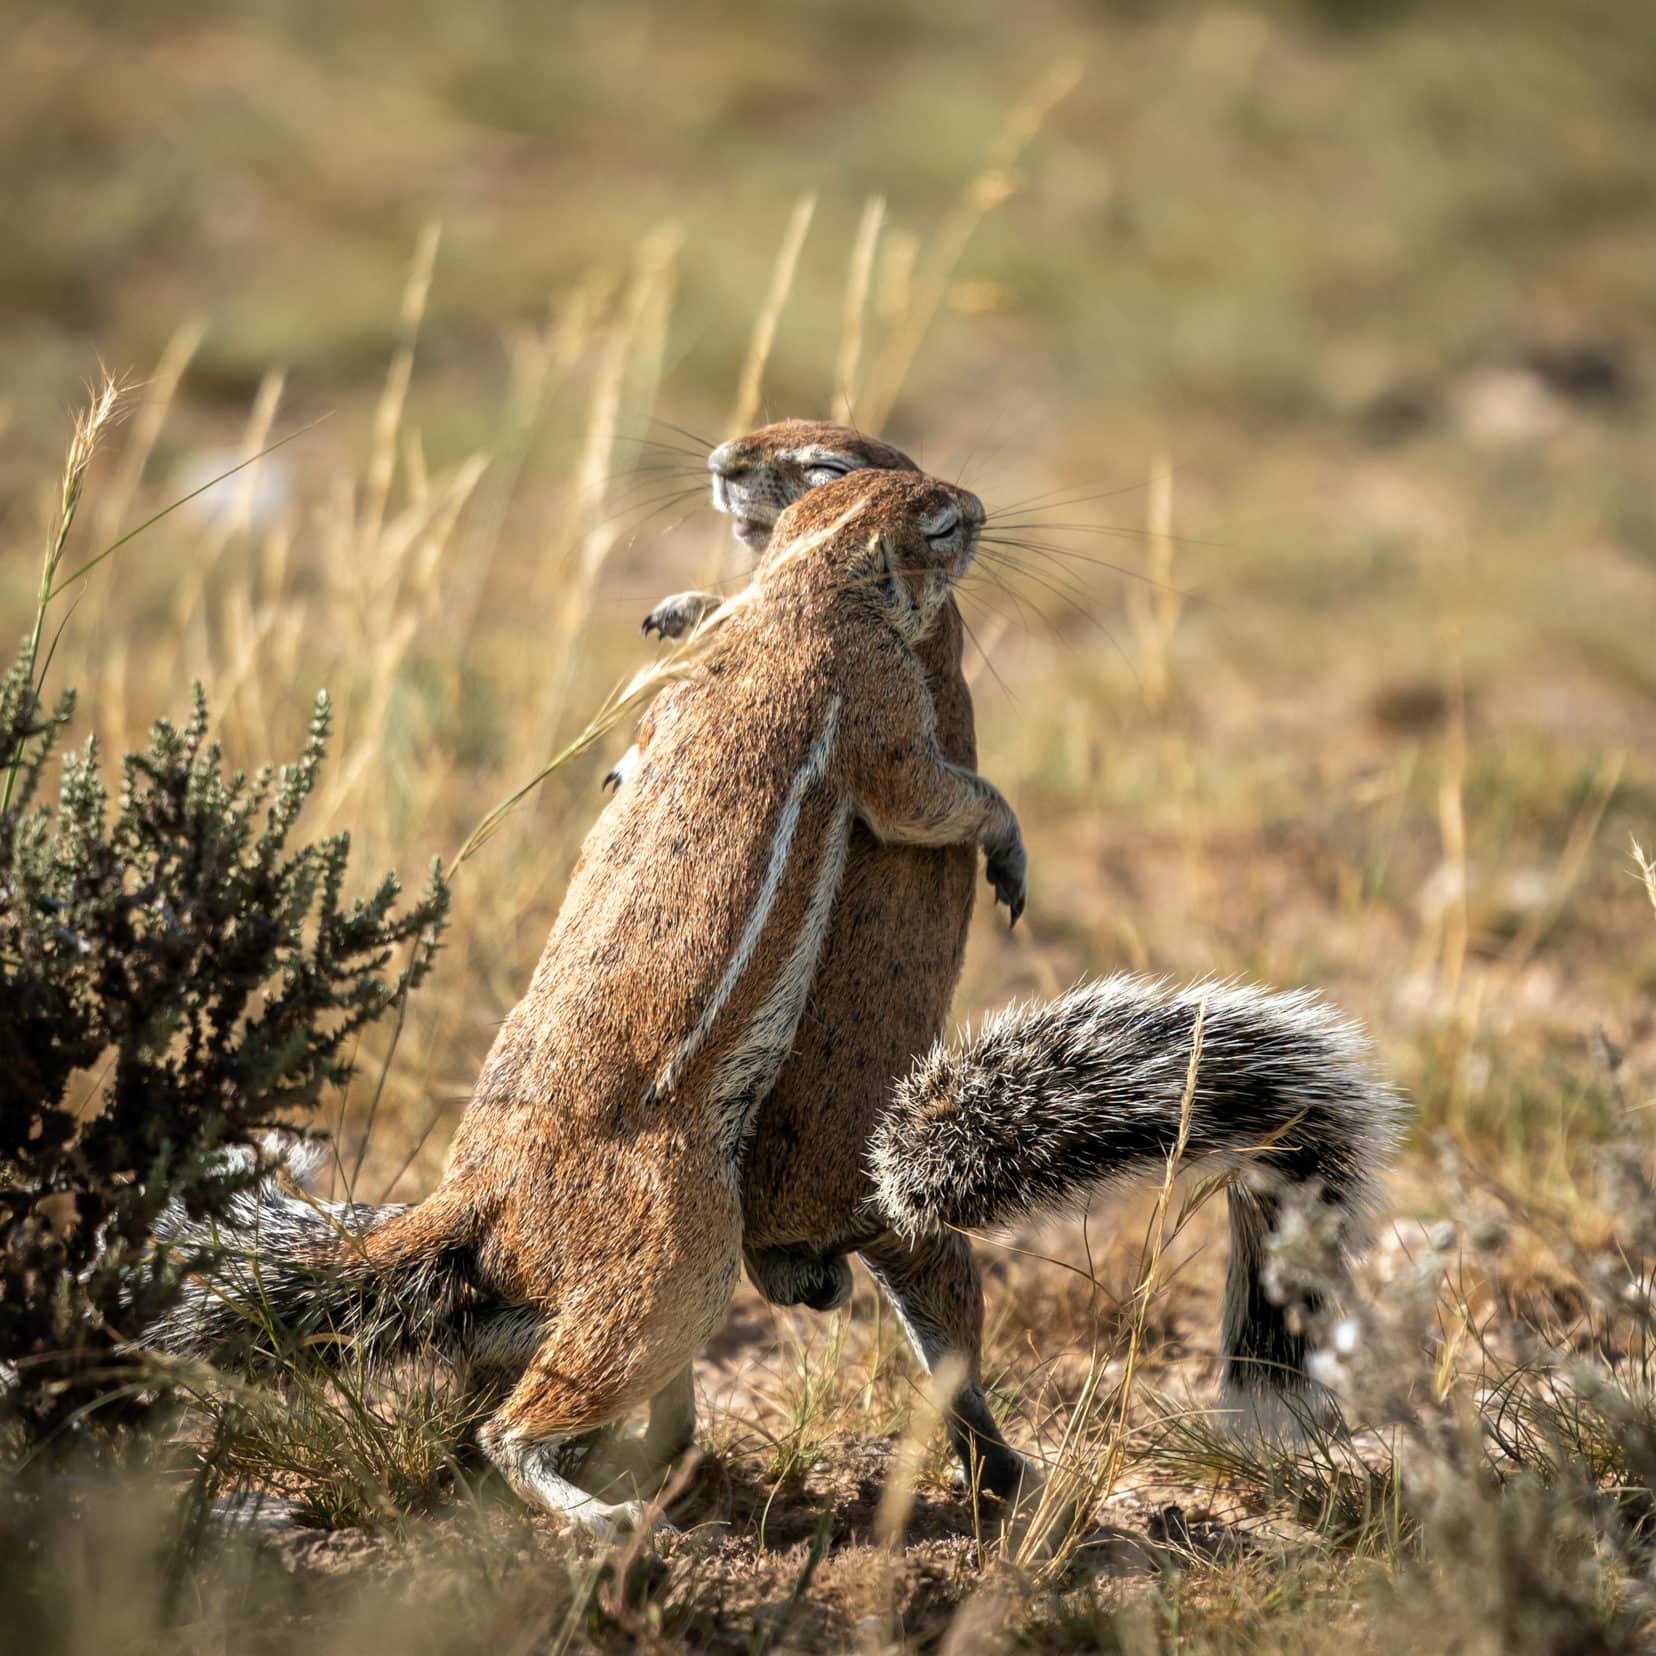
(1266, 1392)
(543, 1436)
(614, 1458)
(538, 1469)
(937, 1293)
(672, 1428)
(643, 1456)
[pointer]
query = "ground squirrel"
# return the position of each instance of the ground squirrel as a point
(885, 980)
(586, 1235)
(884, 984)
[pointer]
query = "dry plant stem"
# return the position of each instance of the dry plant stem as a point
(367, 526)
(1147, 1284)
(388, 414)
(153, 406)
(857, 287)
(721, 563)
(1647, 872)
(591, 533)
(750, 384)
(540, 367)
(897, 1498)
(255, 442)
(1578, 846)
(183, 500)
(90, 425)
(622, 702)
(1155, 607)
(1076, 1499)
(992, 186)
(1452, 828)
(894, 291)
(259, 422)
(637, 354)
(639, 689)
(422, 528)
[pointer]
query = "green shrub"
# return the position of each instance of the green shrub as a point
(174, 979)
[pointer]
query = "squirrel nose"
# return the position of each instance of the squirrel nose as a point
(726, 461)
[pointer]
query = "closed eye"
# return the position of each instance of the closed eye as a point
(824, 468)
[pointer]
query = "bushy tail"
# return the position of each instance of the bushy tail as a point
(344, 1281)
(1049, 1102)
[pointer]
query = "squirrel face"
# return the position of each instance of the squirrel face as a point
(756, 477)
(903, 537)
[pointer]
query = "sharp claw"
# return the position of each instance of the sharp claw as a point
(612, 781)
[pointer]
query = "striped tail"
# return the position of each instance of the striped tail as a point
(343, 1280)
(1050, 1102)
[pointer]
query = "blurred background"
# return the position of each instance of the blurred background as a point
(1313, 346)
(1306, 349)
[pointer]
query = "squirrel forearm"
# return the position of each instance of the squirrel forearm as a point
(932, 802)
(928, 801)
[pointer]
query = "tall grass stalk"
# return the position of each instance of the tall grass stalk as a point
(750, 385)
(388, 414)
(90, 426)
(1154, 607)
(992, 186)
(853, 319)
(1647, 871)
(1091, 1452)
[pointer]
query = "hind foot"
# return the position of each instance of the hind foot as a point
(536, 1470)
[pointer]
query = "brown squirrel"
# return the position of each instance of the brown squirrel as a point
(884, 984)
(586, 1235)
(838, 1164)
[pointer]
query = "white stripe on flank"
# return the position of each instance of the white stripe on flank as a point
(816, 762)
(750, 1069)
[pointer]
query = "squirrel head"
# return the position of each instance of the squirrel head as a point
(901, 537)
(757, 477)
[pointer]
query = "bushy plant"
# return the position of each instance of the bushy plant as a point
(175, 978)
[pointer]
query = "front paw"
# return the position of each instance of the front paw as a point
(674, 617)
(1007, 869)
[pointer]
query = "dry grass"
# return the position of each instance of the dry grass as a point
(1373, 713)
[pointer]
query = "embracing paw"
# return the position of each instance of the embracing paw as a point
(674, 617)
(1007, 870)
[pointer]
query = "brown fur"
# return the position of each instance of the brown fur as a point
(755, 478)
(594, 1175)
(881, 998)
